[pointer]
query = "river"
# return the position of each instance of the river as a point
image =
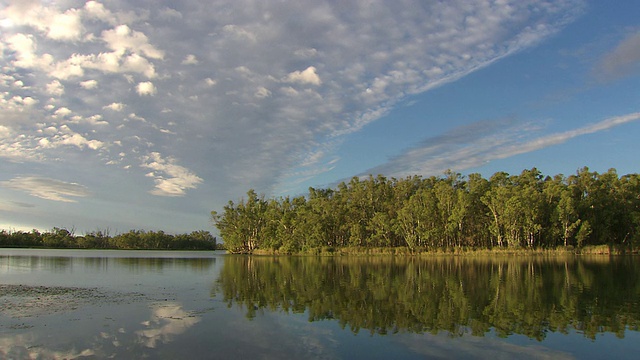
(209, 305)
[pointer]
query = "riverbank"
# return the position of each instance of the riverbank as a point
(456, 251)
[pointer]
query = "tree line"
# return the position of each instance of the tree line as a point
(529, 210)
(134, 239)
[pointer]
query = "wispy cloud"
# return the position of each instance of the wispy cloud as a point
(49, 189)
(623, 60)
(170, 179)
(476, 144)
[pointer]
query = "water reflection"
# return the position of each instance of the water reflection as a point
(529, 296)
(166, 321)
(62, 264)
(66, 304)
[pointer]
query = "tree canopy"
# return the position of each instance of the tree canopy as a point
(528, 210)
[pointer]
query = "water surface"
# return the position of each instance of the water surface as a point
(169, 305)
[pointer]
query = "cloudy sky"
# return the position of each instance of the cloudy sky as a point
(148, 114)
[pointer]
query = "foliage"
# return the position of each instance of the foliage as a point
(526, 211)
(134, 239)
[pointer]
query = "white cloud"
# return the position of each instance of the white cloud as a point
(190, 60)
(96, 10)
(146, 88)
(62, 112)
(45, 188)
(114, 106)
(307, 76)
(79, 141)
(24, 47)
(94, 120)
(133, 116)
(55, 88)
(65, 26)
(89, 84)
(138, 64)
(122, 39)
(262, 92)
(50, 21)
(170, 179)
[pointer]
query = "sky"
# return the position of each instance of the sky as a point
(149, 114)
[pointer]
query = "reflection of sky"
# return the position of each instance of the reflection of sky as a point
(167, 321)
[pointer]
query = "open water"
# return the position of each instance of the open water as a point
(207, 305)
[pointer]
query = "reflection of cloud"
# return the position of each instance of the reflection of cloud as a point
(166, 322)
(441, 346)
(21, 347)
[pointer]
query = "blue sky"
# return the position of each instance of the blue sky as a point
(127, 115)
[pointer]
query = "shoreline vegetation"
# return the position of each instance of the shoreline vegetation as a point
(526, 214)
(453, 252)
(585, 213)
(60, 238)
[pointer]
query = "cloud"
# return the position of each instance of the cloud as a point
(146, 88)
(96, 10)
(170, 179)
(114, 106)
(476, 144)
(55, 88)
(62, 112)
(24, 48)
(262, 92)
(50, 21)
(64, 136)
(79, 141)
(190, 60)
(122, 39)
(45, 188)
(622, 61)
(89, 84)
(263, 98)
(307, 76)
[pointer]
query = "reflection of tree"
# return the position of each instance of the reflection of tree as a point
(67, 263)
(457, 295)
(139, 264)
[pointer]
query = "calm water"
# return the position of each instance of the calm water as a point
(176, 305)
